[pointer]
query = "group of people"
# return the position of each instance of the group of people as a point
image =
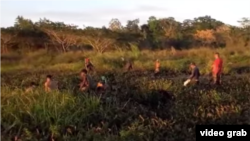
(216, 71)
(87, 82)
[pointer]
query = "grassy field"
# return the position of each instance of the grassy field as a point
(136, 107)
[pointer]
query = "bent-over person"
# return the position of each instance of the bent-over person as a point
(195, 74)
(103, 84)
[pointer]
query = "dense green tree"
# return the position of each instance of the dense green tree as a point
(156, 33)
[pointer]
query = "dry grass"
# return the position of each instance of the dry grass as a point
(177, 61)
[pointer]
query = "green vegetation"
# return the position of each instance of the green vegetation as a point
(157, 33)
(133, 109)
(137, 106)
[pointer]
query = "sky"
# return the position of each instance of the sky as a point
(98, 13)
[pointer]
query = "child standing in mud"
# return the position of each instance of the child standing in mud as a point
(50, 84)
(157, 67)
(86, 81)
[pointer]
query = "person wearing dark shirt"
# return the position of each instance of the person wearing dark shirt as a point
(194, 75)
(88, 65)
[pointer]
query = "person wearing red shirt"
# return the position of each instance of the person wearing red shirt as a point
(217, 69)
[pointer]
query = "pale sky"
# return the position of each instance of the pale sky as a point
(98, 13)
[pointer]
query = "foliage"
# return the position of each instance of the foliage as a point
(137, 105)
(140, 108)
(161, 33)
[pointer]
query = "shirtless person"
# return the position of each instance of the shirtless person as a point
(50, 84)
(157, 67)
(86, 81)
(128, 66)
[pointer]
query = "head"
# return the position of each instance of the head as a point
(157, 60)
(87, 60)
(48, 78)
(33, 84)
(216, 55)
(84, 72)
(192, 65)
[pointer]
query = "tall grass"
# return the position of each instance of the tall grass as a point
(135, 111)
(133, 108)
(74, 61)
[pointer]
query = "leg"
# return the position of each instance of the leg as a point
(129, 69)
(214, 79)
(156, 74)
(197, 82)
(83, 89)
(219, 79)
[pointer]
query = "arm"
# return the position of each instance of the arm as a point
(81, 85)
(84, 83)
(212, 68)
(213, 65)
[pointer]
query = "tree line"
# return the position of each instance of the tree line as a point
(157, 33)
